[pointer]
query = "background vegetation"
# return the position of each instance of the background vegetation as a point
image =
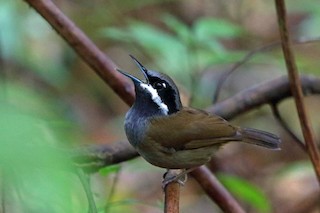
(50, 99)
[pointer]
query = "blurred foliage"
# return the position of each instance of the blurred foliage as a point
(34, 171)
(199, 44)
(247, 192)
(109, 170)
(50, 101)
(182, 51)
(28, 45)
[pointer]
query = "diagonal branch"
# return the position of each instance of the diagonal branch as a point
(271, 91)
(296, 88)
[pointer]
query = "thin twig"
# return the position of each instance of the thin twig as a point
(221, 80)
(85, 182)
(296, 88)
(235, 66)
(216, 191)
(285, 126)
(112, 190)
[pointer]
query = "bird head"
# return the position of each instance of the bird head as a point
(158, 88)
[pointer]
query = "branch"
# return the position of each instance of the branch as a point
(221, 80)
(85, 48)
(172, 193)
(94, 157)
(271, 91)
(296, 88)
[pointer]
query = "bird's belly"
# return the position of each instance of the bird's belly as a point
(181, 159)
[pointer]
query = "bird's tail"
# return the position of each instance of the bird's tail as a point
(260, 138)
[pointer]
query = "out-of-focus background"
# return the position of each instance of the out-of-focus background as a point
(49, 97)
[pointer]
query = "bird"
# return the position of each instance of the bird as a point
(171, 136)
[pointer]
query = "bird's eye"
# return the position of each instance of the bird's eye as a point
(159, 85)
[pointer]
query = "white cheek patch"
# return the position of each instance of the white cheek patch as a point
(155, 97)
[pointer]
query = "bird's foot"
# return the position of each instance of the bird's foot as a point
(174, 175)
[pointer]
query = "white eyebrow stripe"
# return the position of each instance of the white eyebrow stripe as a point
(155, 97)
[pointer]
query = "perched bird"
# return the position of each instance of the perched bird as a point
(171, 136)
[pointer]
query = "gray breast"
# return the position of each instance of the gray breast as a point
(135, 126)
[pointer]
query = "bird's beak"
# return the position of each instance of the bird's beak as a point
(142, 68)
(134, 79)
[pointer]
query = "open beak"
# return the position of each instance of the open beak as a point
(142, 69)
(134, 79)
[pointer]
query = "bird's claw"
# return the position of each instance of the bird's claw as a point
(174, 176)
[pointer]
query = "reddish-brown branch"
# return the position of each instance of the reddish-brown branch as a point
(272, 91)
(172, 194)
(89, 52)
(296, 89)
(172, 197)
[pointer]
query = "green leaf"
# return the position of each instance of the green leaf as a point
(116, 34)
(152, 38)
(11, 37)
(34, 167)
(31, 159)
(170, 52)
(246, 191)
(208, 28)
(183, 52)
(109, 169)
(178, 27)
(25, 137)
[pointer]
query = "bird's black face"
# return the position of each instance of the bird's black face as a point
(158, 87)
(167, 90)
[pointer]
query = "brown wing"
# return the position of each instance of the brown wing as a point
(191, 129)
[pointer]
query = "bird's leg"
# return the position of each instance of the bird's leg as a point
(174, 175)
(177, 175)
